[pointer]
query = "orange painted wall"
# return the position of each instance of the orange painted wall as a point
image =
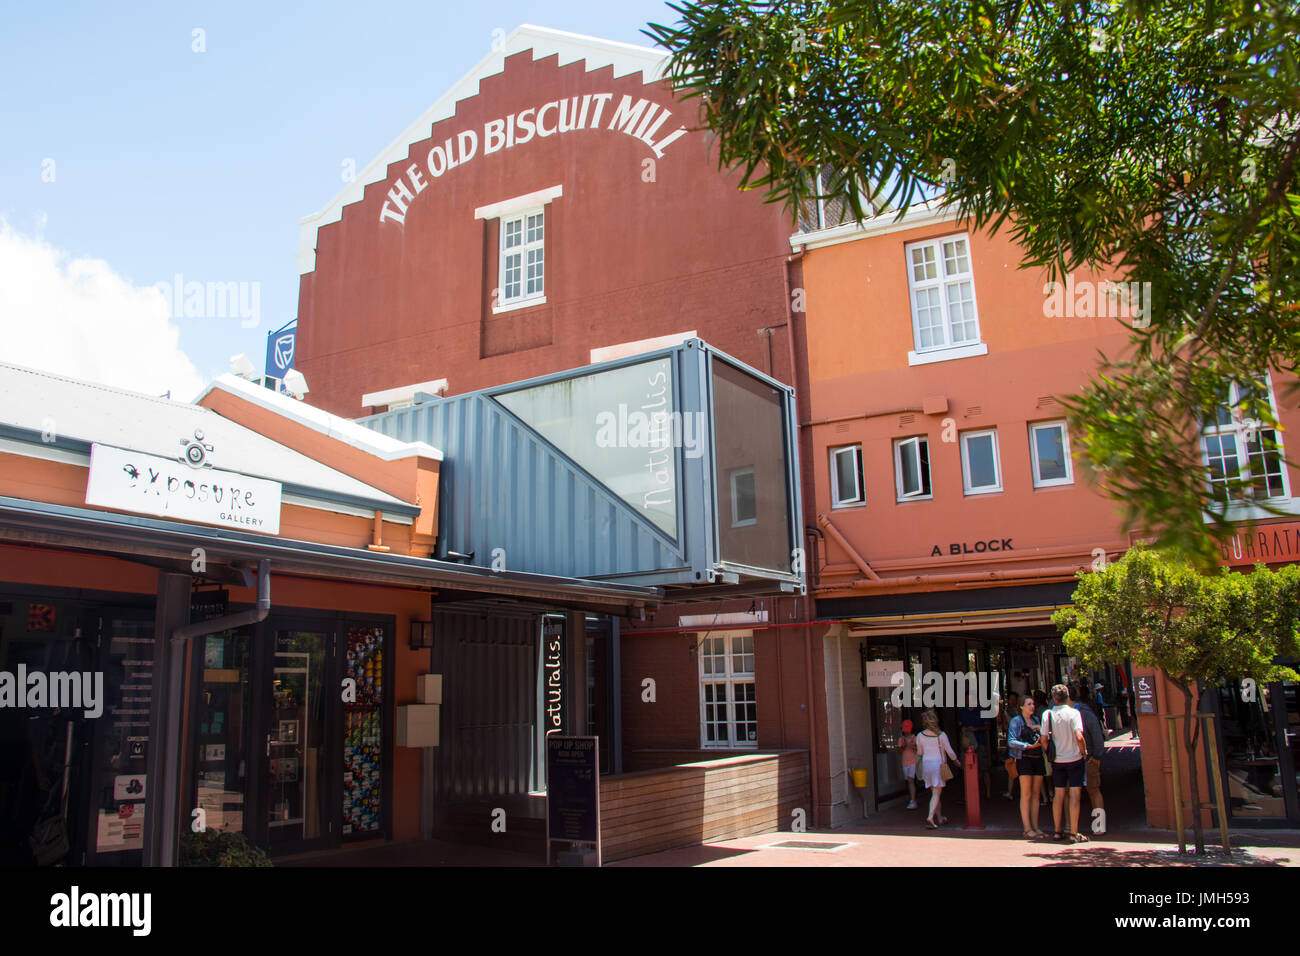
(1157, 769)
(859, 330)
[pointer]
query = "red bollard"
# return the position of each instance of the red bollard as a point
(971, 774)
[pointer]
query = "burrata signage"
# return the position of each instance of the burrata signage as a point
(641, 120)
(146, 484)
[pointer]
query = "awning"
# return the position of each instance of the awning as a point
(134, 537)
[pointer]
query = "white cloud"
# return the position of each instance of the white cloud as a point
(77, 317)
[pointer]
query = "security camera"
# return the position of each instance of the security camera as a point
(242, 365)
(295, 383)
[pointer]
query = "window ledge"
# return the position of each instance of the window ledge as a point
(521, 304)
(945, 355)
(1251, 512)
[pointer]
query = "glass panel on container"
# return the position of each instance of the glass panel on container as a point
(749, 431)
(621, 426)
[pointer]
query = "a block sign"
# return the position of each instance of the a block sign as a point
(146, 484)
(573, 790)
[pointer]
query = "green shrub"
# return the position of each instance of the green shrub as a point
(220, 848)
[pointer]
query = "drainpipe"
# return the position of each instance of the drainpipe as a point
(843, 542)
(178, 658)
(805, 457)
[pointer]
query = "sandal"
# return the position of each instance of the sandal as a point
(1076, 838)
(1059, 837)
(1030, 834)
(930, 824)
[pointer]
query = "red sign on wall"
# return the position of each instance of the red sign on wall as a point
(1269, 543)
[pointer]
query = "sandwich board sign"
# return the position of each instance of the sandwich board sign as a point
(573, 792)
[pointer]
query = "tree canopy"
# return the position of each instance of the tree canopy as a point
(1157, 139)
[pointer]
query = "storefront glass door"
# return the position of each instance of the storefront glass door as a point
(1259, 747)
(294, 740)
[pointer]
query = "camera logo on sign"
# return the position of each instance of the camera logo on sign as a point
(196, 452)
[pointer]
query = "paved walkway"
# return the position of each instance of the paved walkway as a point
(955, 847)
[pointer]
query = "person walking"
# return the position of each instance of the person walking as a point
(933, 748)
(1063, 726)
(1094, 735)
(907, 746)
(1023, 735)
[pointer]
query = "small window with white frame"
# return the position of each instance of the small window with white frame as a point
(1244, 459)
(942, 292)
(728, 703)
(1049, 452)
(912, 468)
(981, 472)
(846, 477)
(522, 260)
(744, 500)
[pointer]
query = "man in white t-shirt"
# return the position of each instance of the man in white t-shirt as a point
(1064, 725)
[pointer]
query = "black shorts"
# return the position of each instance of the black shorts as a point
(1031, 767)
(1068, 774)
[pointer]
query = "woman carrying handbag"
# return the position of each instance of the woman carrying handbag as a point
(934, 751)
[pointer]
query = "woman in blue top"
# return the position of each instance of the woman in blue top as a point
(1022, 740)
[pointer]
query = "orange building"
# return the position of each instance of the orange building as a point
(952, 515)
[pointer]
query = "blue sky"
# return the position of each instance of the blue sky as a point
(168, 161)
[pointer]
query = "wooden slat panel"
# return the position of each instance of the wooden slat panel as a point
(654, 810)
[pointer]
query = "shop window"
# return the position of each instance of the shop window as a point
(1243, 459)
(744, 502)
(846, 477)
(728, 703)
(980, 472)
(1049, 450)
(522, 259)
(945, 324)
(912, 468)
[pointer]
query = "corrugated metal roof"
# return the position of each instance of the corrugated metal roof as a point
(83, 411)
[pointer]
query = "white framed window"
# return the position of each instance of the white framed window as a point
(981, 473)
(728, 705)
(744, 500)
(1049, 453)
(912, 468)
(846, 477)
(1240, 454)
(521, 267)
(945, 323)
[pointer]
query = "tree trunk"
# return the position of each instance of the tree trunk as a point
(1191, 734)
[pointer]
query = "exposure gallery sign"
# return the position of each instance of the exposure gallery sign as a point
(146, 484)
(641, 119)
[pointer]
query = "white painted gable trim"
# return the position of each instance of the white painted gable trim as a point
(319, 420)
(625, 58)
